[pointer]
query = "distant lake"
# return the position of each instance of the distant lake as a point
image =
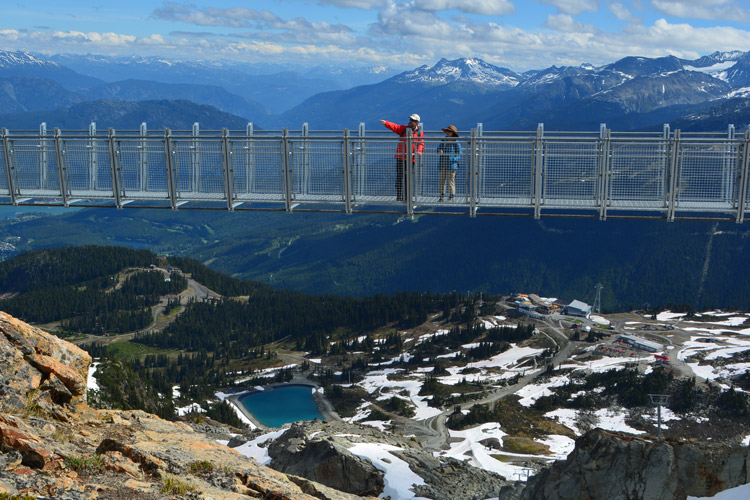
(281, 405)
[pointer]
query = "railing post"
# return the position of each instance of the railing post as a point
(673, 170)
(43, 157)
(743, 178)
(169, 165)
(228, 172)
(9, 167)
(474, 171)
(143, 158)
(93, 163)
(408, 188)
(195, 159)
(728, 175)
(347, 173)
(305, 177)
(538, 168)
(114, 166)
(603, 168)
(481, 172)
(285, 170)
(665, 163)
(61, 170)
(361, 152)
(249, 159)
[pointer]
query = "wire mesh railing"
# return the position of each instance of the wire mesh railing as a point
(605, 174)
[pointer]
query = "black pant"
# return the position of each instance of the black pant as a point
(401, 186)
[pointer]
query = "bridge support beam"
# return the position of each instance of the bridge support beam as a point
(62, 170)
(674, 152)
(743, 179)
(93, 157)
(538, 170)
(286, 170)
(347, 173)
(43, 155)
(409, 162)
(114, 167)
(227, 169)
(170, 170)
(9, 167)
(474, 171)
(603, 170)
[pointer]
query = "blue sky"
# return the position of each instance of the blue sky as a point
(516, 34)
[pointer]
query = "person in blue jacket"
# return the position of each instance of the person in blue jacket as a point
(449, 152)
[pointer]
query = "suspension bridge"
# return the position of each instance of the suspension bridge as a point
(603, 174)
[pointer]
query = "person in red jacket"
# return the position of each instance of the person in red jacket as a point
(415, 131)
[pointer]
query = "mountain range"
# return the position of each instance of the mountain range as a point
(630, 94)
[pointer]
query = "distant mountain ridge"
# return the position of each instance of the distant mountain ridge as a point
(24, 64)
(122, 115)
(626, 94)
(629, 94)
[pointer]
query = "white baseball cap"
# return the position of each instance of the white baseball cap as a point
(414, 117)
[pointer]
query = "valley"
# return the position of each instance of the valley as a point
(480, 354)
(458, 379)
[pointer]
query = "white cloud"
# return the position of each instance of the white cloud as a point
(237, 17)
(355, 4)
(622, 13)
(482, 7)
(729, 10)
(402, 34)
(564, 22)
(403, 21)
(686, 38)
(268, 26)
(573, 7)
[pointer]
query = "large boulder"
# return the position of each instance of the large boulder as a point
(39, 373)
(323, 459)
(618, 466)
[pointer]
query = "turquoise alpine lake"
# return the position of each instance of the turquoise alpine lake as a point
(281, 405)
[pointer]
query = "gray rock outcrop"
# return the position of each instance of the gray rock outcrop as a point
(319, 451)
(616, 466)
(325, 460)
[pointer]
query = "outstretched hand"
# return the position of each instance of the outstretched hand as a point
(382, 121)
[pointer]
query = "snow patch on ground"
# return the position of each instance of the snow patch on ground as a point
(257, 448)
(399, 479)
(738, 493)
(91, 379)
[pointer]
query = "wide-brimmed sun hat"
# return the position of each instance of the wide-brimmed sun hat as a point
(453, 129)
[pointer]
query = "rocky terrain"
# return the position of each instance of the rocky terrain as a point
(55, 446)
(617, 466)
(322, 451)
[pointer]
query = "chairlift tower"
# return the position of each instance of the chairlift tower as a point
(659, 400)
(598, 299)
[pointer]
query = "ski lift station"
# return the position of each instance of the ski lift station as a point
(639, 343)
(578, 308)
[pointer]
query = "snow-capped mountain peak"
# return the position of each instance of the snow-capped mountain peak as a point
(469, 70)
(16, 59)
